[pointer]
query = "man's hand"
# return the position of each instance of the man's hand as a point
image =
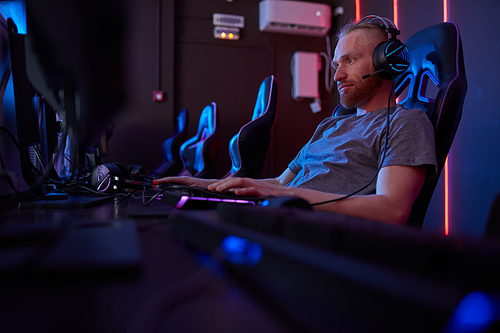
(250, 187)
(190, 181)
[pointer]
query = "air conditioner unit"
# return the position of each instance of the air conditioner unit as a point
(295, 17)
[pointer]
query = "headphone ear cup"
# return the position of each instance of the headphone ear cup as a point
(392, 57)
(102, 175)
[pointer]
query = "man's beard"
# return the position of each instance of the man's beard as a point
(362, 92)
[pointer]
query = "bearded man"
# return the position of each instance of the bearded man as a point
(378, 176)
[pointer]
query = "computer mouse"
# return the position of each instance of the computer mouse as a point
(287, 201)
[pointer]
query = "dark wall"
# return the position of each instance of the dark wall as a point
(143, 125)
(207, 70)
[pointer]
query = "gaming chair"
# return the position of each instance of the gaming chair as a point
(248, 149)
(199, 154)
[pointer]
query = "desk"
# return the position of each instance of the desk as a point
(173, 292)
(292, 285)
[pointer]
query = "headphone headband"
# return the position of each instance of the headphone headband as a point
(392, 57)
(389, 26)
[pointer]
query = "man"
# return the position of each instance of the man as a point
(344, 153)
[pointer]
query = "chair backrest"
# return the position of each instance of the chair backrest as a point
(172, 162)
(249, 148)
(437, 57)
(199, 154)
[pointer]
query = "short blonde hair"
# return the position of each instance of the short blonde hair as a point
(351, 26)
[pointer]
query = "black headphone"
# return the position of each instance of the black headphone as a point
(117, 178)
(392, 57)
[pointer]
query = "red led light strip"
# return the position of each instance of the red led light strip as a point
(446, 197)
(395, 11)
(446, 163)
(357, 9)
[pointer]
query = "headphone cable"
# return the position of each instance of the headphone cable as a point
(386, 147)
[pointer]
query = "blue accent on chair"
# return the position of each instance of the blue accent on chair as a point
(199, 154)
(249, 148)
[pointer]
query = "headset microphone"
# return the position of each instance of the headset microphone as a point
(368, 75)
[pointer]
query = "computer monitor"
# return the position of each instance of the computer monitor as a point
(7, 121)
(28, 127)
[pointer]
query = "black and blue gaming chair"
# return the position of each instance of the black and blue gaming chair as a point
(437, 57)
(199, 154)
(172, 162)
(249, 148)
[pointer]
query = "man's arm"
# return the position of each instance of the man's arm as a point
(397, 188)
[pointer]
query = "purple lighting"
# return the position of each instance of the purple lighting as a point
(182, 201)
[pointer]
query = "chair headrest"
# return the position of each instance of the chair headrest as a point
(262, 103)
(207, 119)
(181, 120)
(431, 60)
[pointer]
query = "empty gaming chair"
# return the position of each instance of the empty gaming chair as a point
(172, 162)
(199, 154)
(436, 56)
(248, 149)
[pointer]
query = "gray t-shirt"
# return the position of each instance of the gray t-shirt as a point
(345, 151)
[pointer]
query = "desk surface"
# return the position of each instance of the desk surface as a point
(173, 292)
(177, 289)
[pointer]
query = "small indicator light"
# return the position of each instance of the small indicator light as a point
(226, 33)
(158, 96)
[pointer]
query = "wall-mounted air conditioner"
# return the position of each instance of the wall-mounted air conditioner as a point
(295, 17)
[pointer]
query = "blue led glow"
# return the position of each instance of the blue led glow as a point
(475, 313)
(395, 50)
(16, 10)
(240, 251)
(265, 203)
